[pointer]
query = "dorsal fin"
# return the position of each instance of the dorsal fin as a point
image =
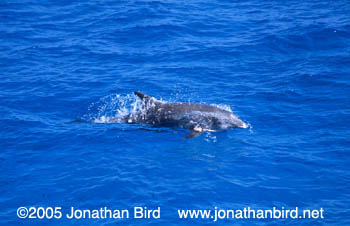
(142, 95)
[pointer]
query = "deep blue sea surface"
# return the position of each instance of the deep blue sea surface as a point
(69, 66)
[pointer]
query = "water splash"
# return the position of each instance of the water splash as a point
(223, 107)
(250, 128)
(210, 138)
(112, 108)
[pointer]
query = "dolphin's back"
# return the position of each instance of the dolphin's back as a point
(183, 113)
(186, 108)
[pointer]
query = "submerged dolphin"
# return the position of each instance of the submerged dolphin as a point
(197, 118)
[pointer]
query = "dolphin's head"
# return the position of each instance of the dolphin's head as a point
(225, 120)
(235, 122)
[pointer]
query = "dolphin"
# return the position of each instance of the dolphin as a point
(197, 118)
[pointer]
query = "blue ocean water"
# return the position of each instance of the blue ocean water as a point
(281, 66)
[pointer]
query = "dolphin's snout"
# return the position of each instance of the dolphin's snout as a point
(238, 123)
(243, 125)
